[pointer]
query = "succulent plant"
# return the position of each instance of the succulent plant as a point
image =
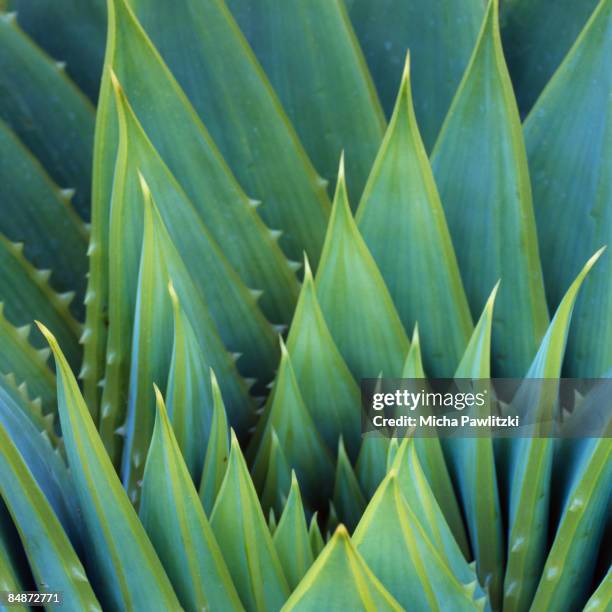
(212, 301)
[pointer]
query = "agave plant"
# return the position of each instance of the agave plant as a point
(195, 442)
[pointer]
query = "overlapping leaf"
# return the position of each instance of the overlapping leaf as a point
(340, 579)
(402, 221)
(243, 114)
(27, 295)
(530, 465)
(327, 386)
(171, 513)
(71, 31)
(396, 546)
(537, 34)
(351, 290)
(334, 91)
(48, 113)
(54, 236)
(480, 167)
(569, 145)
(51, 556)
(242, 533)
(440, 36)
(124, 568)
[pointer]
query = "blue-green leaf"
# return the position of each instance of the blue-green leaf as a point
(480, 167)
(173, 517)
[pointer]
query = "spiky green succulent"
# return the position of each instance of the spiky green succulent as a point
(209, 453)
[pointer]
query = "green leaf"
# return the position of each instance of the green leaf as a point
(395, 545)
(173, 517)
(537, 34)
(32, 408)
(37, 213)
(44, 464)
(238, 320)
(416, 491)
(10, 578)
(402, 221)
(53, 561)
(440, 36)
(313, 40)
(327, 386)
(472, 465)
(480, 167)
(314, 535)
(27, 296)
(189, 395)
(602, 597)
(217, 449)
(340, 580)
(568, 572)
(241, 530)
(348, 498)
(351, 291)
(27, 364)
(125, 570)
(243, 115)
(299, 439)
(48, 113)
(291, 538)
(151, 351)
(530, 463)
(71, 31)
(371, 464)
(568, 138)
(278, 476)
(429, 451)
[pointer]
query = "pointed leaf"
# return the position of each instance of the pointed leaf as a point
(429, 451)
(530, 466)
(314, 535)
(395, 545)
(51, 556)
(472, 464)
(480, 166)
(243, 114)
(48, 113)
(217, 449)
(278, 476)
(125, 569)
(173, 517)
(291, 538)
(190, 402)
(20, 358)
(568, 572)
(340, 579)
(371, 464)
(328, 388)
(440, 36)
(150, 355)
(71, 32)
(27, 295)
(537, 35)
(568, 138)
(351, 292)
(419, 497)
(313, 39)
(402, 221)
(348, 498)
(301, 443)
(36, 212)
(242, 533)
